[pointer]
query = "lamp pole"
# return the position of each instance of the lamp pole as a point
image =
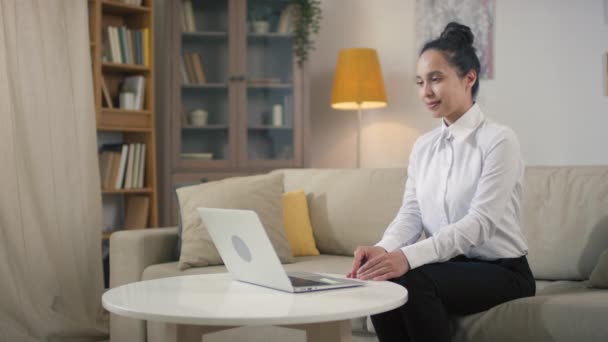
(358, 135)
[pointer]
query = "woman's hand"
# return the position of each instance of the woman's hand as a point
(385, 266)
(362, 255)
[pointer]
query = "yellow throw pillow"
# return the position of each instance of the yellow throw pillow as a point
(296, 220)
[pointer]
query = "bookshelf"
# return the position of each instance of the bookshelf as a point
(247, 82)
(122, 50)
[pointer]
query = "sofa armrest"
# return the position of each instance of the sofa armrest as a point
(131, 251)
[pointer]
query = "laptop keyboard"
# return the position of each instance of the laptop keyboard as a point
(298, 282)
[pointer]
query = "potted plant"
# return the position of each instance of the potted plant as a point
(259, 16)
(306, 18)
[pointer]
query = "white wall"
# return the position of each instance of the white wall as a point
(548, 83)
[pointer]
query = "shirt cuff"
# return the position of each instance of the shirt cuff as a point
(421, 253)
(388, 244)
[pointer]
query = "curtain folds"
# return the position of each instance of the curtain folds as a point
(50, 200)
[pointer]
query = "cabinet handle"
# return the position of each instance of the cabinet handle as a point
(232, 78)
(204, 180)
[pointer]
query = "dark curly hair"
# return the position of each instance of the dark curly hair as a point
(456, 44)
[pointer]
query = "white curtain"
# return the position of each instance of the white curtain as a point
(50, 202)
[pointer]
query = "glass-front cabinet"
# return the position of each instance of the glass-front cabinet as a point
(237, 89)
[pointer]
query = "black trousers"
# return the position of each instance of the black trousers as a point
(460, 286)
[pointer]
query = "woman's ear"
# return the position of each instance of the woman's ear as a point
(470, 78)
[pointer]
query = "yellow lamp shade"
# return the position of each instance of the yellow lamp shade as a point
(358, 80)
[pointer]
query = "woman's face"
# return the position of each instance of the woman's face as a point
(442, 91)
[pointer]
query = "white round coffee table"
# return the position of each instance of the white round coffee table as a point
(200, 304)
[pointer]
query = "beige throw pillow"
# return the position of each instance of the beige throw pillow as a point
(261, 194)
(599, 276)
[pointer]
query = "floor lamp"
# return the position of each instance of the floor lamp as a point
(358, 85)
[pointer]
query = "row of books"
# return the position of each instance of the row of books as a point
(192, 68)
(123, 45)
(121, 166)
(188, 22)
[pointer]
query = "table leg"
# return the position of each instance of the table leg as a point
(337, 331)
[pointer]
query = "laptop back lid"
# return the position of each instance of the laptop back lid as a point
(243, 244)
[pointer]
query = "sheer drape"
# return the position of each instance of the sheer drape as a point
(50, 202)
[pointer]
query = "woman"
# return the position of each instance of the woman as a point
(464, 190)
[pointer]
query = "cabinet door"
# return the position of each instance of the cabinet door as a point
(204, 129)
(270, 117)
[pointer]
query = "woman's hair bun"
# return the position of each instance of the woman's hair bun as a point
(457, 35)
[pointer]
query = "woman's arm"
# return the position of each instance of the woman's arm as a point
(406, 227)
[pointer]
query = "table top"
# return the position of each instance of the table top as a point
(216, 299)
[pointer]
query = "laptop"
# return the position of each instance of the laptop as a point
(241, 240)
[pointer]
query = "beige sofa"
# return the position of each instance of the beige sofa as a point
(565, 221)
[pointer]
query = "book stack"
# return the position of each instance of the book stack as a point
(122, 166)
(123, 45)
(192, 68)
(188, 22)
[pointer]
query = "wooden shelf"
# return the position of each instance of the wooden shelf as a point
(264, 127)
(126, 191)
(122, 129)
(269, 86)
(205, 86)
(270, 35)
(128, 68)
(115, 119)
(206, 127)
(106, 110)
(115, 7)
(204, 34)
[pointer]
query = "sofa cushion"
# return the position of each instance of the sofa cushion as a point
(599, 276)
(565, 219)
(261, 194)
(296, 219)
(546, 317)
(348, 207)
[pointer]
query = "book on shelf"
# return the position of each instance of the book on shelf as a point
(136, 212)
(188, 16)
(141, 167)
(122, 166)
(129, 172)
(285, 24)
(106, 93)
(192, 64)
(198, 67)
(120, 176)
(106, 51)
(137, 85)
(109, 159)
(125, 46)
(145, 42)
